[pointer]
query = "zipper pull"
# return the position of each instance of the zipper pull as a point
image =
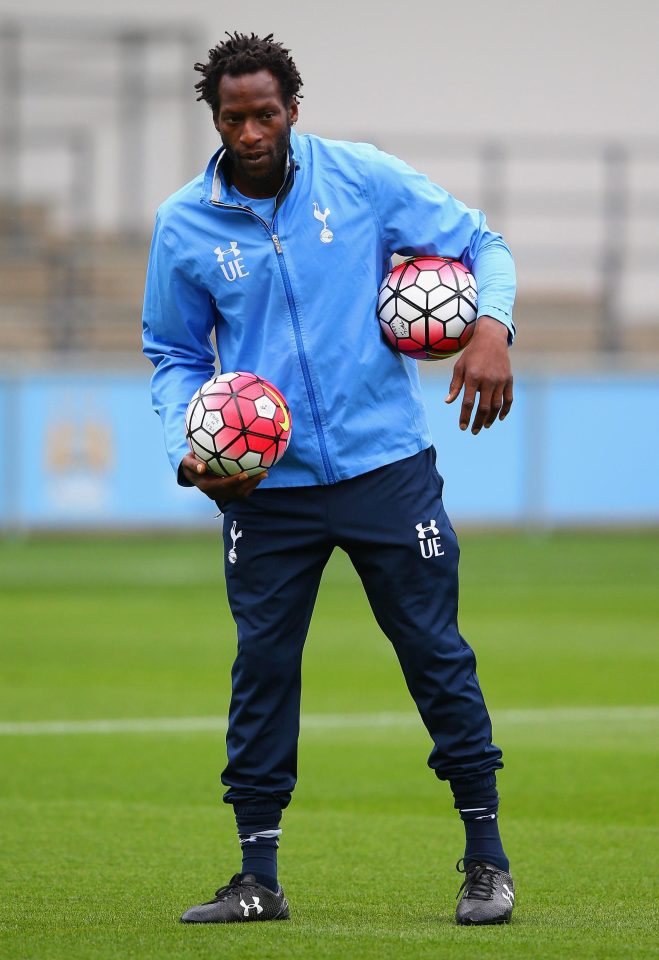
(275, 240)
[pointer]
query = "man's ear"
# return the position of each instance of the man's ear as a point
(293, 112)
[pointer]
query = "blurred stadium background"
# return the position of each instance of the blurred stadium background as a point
(544, 119)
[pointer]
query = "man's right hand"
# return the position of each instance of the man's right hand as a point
(218, 488)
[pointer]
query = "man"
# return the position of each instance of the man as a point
(239, 252)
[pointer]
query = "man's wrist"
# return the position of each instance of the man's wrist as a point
(487, 324)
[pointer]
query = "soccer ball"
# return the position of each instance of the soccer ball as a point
(237, 423)
(427, 307)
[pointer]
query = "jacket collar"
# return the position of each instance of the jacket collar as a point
(215, 186)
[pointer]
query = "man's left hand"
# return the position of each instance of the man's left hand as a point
(484, 368)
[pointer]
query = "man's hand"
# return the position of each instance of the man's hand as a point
(218, 488)
(484, 368)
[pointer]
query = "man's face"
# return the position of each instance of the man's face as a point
(255, 126)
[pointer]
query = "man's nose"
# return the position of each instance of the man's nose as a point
(250, 133)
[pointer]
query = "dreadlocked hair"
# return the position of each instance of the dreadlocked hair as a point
(242, 54)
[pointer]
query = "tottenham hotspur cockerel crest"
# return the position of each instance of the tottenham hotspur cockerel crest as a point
(232, 556)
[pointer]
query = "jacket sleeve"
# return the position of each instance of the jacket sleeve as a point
(417, 217)
(177, 321)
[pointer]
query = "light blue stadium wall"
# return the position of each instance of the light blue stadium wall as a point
(578, 448)
(81, 450)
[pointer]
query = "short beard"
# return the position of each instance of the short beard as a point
(281, 148)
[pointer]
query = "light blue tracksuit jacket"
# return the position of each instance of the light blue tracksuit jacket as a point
(288, 305)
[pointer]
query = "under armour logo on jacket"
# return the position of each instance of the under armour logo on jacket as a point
(232, 269)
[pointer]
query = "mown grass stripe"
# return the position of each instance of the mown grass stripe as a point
(324, 721)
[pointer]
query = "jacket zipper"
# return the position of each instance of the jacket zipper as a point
(297, 330)
(306, 373)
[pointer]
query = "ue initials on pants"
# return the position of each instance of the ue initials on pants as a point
(431, 548)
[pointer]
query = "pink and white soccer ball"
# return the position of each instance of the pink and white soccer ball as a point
(427, 307)
(237, 423)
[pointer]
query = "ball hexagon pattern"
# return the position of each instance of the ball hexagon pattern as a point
(427, 307)
(237, 423)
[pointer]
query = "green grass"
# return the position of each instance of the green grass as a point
(106, 838)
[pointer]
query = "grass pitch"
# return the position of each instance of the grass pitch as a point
(109, 831)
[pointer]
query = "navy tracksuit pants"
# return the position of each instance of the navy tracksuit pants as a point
(392, 524)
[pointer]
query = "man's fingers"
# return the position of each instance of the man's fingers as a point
(242, 486)
(234, 487)
(456, 383)
(219, 488)
(484, 408)
(495, 407)
(247, 486)
(192, 466)
(507, 399)
(493, 401)
(234, 482)
(194, 463)
(467, 405)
